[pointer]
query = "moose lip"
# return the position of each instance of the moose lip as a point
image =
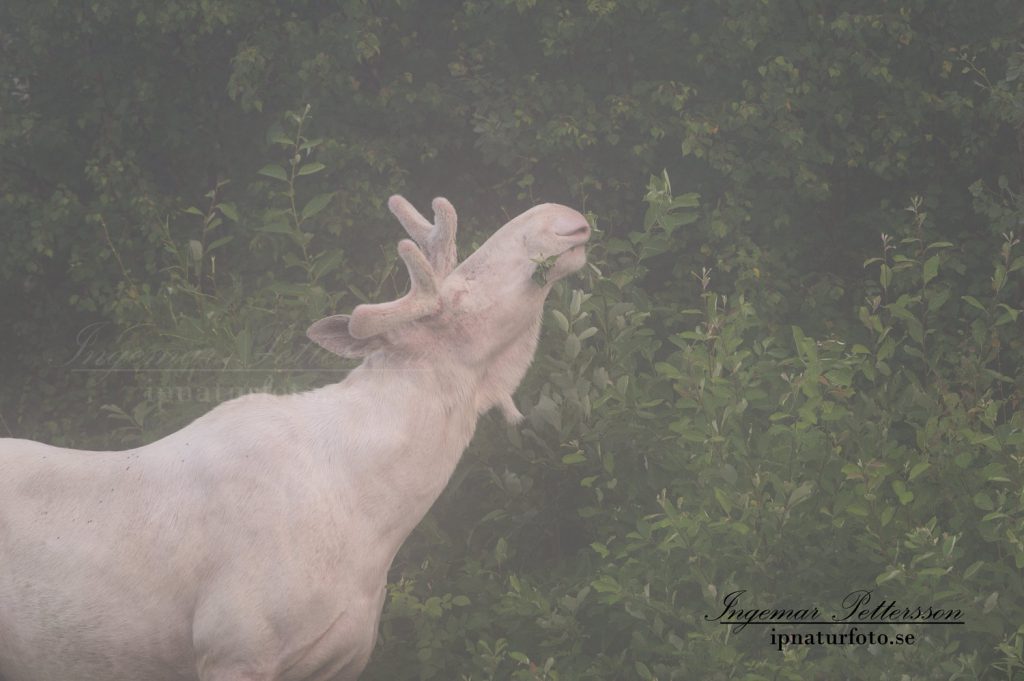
(580, 242)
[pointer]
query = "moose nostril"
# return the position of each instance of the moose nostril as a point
(582, 230)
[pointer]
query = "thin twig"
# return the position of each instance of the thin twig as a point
(6, 427)
(110, 242)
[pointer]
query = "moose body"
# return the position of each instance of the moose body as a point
(254, 544)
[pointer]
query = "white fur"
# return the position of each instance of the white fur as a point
(254, 544)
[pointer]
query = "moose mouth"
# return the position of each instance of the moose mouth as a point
(572, 250)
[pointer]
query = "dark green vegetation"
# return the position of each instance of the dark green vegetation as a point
(782, 380)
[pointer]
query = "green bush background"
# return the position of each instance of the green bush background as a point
(796, 372)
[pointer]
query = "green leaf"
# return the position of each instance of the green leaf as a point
(310, 168)
(667, 370)
(902, 493)
(316, 204)
(281, 139)
(274, 171)
(858, 508)
(575, 457)
(918, 469)
(803, 491)
(974, 567)
(560, 319)
(999, 278)
(885, 276)
(915, 330)
(887, 576)
(327, 262)
(930, 269)
(936, 298)
(690, 200)
(972, 301)
(606, 584)
(229, 210)
(983, 501)
(948, 545)
(572, 346)
(643, 671)
(1011, 312)
(217, 243)
(723, 500)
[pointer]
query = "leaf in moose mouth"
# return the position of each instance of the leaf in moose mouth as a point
(540, 275)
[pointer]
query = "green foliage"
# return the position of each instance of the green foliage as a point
(778, 380)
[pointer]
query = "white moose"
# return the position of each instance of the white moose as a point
(254, 544)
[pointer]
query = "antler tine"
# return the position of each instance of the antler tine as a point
(442, 241)
(438, 239)
(422, 299)
(415, 224)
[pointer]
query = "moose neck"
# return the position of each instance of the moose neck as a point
(415, 414)
(506, 339)
(400, 425)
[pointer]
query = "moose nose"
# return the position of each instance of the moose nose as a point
(582, 231)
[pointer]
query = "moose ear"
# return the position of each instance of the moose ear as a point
(331, 333)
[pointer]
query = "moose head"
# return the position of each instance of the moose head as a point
(483, 314)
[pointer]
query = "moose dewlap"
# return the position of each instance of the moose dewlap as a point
(254, 544)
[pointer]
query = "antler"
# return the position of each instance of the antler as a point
(437, 240)
(427, 268)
